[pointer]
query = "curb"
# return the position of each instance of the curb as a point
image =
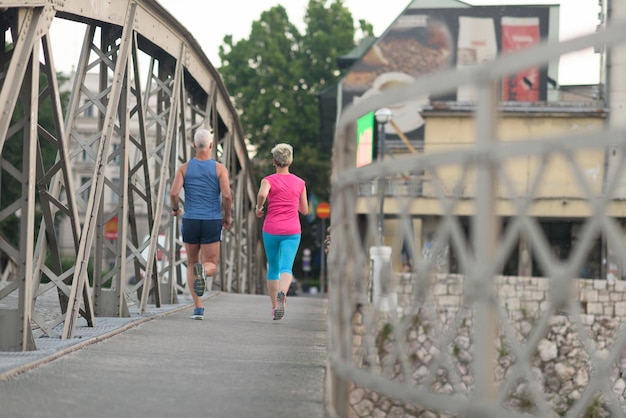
(75, 347)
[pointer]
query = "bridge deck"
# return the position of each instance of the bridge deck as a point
(235, 363)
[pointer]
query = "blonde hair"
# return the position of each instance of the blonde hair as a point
(282, 154)
(203, 138)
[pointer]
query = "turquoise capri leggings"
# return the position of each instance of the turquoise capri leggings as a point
(280, 251)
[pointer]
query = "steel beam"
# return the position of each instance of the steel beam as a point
(150, 115)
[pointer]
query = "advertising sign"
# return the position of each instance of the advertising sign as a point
(518, 33)
(422, 41)
(110, 229)
(365, 139)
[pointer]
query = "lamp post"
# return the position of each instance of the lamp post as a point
(380, 255)
(383, 116)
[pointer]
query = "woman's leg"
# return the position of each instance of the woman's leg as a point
(271, 244)
(288, 250)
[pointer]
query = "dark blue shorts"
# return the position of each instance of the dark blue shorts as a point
(198, 231)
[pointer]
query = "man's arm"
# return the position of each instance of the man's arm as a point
(177, 185)
(227, 197)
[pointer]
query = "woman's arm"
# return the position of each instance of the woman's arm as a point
(261, 197)
(303, 206)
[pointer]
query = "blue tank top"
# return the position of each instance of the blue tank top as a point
(202, 191)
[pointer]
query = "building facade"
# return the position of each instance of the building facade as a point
(559, 201)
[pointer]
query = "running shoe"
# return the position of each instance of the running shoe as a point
(198, 313)
(279, 312)
(199, 284)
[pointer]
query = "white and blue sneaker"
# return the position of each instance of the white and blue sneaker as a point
(198, 313)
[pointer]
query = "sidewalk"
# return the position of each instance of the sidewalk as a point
(236, 363)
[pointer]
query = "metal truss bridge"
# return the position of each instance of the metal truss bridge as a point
(86, 162)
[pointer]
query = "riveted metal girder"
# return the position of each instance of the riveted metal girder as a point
(91, 182)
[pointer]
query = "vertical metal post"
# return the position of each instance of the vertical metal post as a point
(323, 260)
(381, 184)
(343, 314)
(481, 277)
(612, 266)
(383, 116)
(380, 255)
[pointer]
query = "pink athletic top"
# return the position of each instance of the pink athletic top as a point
(282, 216)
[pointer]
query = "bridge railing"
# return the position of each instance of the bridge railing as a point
(396, 347)
(86, 180)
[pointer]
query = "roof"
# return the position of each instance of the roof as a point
(345, 61)
(437, 4)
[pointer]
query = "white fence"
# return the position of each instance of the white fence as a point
(377, 349)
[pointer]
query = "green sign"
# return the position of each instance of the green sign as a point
(364, 139)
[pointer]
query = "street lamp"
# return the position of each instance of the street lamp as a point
(383, 116)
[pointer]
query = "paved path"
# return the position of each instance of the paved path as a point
(237, 363)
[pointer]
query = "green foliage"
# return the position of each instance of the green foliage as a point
(524, 312)
(502, 349)
(417, 321)
(456, 350)
(261, 74)
(382, 337)
(67, 263)
(526, 403)
(13, 153)
(275, 76)
(595, 409)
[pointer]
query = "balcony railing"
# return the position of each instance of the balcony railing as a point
(424, 186)
(411, 186)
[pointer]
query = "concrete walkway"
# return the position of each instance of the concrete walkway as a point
(236, 363)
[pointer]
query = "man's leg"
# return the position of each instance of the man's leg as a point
(193, 257)
(210, 258)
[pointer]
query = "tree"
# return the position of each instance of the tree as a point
(275, 77)
(261, 75)
(276, 74)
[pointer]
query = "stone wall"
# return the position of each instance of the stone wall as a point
(561, 367)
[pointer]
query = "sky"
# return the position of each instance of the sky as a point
(235, 17)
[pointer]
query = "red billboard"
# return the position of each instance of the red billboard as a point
(519, 33)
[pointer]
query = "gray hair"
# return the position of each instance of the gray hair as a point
(203, 139)
(282, 154)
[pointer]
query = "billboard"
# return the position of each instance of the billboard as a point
(422, 41)
(365, 139)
